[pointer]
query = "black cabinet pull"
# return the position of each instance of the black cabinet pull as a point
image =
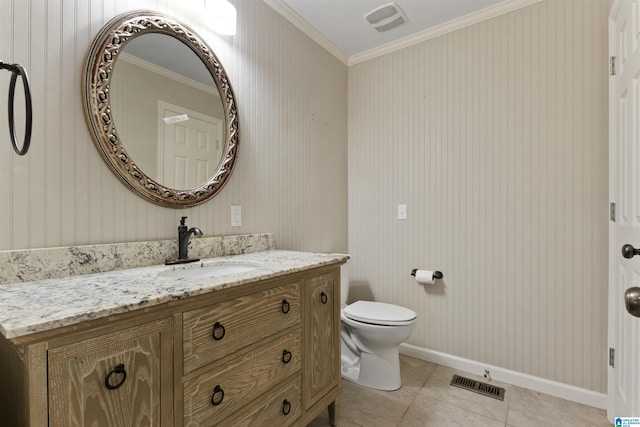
(218, 331)
(118, 370)
(286, 407)
(285, 306)
(323, 297)
(217, 391)
(286, 356)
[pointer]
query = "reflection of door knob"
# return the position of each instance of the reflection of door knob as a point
(629, 251)
(632, 301)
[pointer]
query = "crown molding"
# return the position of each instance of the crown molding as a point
(284, 10)
(497, 9)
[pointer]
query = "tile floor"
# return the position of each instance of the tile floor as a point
(427, 399)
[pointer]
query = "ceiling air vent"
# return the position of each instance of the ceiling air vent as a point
(386, 17)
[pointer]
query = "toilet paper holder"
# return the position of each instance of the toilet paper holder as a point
(436, 274)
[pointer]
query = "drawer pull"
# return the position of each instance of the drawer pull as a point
(218, 331)
(323, 297)
(286, 356)
(285, 306)
(117, 370)
(286, 407)
(219, 392)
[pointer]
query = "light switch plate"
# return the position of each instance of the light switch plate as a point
(236, 215)
(402, 211)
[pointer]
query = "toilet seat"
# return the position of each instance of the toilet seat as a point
(379, 313)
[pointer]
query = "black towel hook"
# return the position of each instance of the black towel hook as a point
(18, 70)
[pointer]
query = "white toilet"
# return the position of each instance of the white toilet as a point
(371, 336)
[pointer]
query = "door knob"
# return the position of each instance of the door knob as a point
(629, 251)
(632, 301)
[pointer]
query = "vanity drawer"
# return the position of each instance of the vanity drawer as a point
(221, 329)
(281, 406)
(216, 394)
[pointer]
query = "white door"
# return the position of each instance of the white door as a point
(190, 147)
(624, 191)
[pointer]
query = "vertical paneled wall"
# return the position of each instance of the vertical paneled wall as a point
(495, 136)
(290, 178)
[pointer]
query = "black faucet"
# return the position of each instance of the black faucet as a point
(184, 233)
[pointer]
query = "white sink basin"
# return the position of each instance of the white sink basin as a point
(205, 271)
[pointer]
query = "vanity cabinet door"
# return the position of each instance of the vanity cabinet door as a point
(119, 379)
(322, 345)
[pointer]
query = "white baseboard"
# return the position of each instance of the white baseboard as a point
(553, 388)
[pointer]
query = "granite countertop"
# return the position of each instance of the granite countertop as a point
(30, 307)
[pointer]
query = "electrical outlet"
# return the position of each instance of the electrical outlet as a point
(402, 211)
(236, 216)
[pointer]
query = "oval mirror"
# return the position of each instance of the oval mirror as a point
(160, 109)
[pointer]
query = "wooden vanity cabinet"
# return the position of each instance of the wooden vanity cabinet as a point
(264, 353)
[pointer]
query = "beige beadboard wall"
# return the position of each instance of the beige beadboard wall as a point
(495, 136)
(290, 178)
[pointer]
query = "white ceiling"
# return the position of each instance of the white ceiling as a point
(342, 22)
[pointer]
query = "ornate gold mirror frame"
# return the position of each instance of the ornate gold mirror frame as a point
(96, 81)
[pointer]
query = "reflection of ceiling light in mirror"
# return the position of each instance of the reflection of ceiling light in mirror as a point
(176, 119)
(222, 15)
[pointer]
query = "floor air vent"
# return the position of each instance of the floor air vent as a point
(478, 387)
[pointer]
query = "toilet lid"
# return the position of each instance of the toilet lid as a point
(379, 313)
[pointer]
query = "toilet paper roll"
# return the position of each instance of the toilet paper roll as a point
(425, 277)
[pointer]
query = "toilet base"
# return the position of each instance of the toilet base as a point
(380, 373)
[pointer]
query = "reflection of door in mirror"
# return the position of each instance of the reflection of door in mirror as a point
(140, 82)
(190, 146)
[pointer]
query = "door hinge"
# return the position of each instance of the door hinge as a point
(612, 356)
(612, 212)
(612, 66)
